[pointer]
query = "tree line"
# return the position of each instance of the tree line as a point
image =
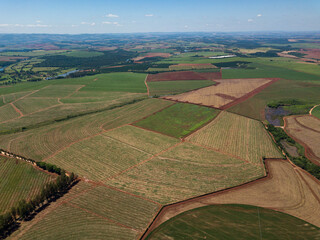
(25, 209)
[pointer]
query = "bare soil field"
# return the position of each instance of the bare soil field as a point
(184, 75)
(306, 131)
(286, 189)
(225, 94)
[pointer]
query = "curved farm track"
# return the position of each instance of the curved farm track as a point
(286, 188)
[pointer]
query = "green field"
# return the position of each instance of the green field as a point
(179, 119)
(316, 112)
(185, 171)
(19, 180)
(234, 222)
(162, 88)
(7, 112)
(239, 136)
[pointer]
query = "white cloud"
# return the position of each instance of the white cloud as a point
(111, 23)
(110, 15)
(73, 25)
(87, 23)
(4, 25)
(27, 25)
(38, 21)
(149, 15)
(36, 25)
(259, 15)
(186, 26)
(250, 20)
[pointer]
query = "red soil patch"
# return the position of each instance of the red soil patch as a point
(184, 75)
(311, 53)
(226, 96)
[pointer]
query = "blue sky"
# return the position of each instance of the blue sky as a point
(126, 16)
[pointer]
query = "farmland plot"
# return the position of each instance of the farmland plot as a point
(183, 76)
(121, 207)
(108, 154)
(185, 171)
(179, 119)
(19, 180)
(42, 142)
(30, 105)
(287, 189)
(237, 135)
(305, 130)
(222, 95)
(56, 91)
(7, 112)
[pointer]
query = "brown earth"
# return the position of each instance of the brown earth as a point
(286, 188)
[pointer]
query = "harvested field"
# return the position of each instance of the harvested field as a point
(182, 76)
(226, 93)
(234, 222)
(42, 142)
(185, 171)
(163, 88)
(19, 180)
(106, 155)
(186, 66)
(237, 135)
(8, 98)
(306, 131)
(179, 119)
(287, 189)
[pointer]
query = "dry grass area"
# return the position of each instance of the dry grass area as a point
(225, 92)
(240, 136)
(151, 55)
(306, 131)
(287, 189)
(185, 171)
(7, 112)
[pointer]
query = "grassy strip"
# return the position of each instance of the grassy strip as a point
(301, 161)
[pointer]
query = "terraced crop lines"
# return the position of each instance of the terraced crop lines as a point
(237, 135)
(43, 142)
(19, 180)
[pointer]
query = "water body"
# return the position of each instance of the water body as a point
(63, 75)
(275, 115)
(1, 69)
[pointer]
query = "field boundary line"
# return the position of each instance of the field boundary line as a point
(98, 215)
(310, 112)
(304, 126)
(141, 163)
(17, 110)
(202, 126)
(145, 82)
(163, 210)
